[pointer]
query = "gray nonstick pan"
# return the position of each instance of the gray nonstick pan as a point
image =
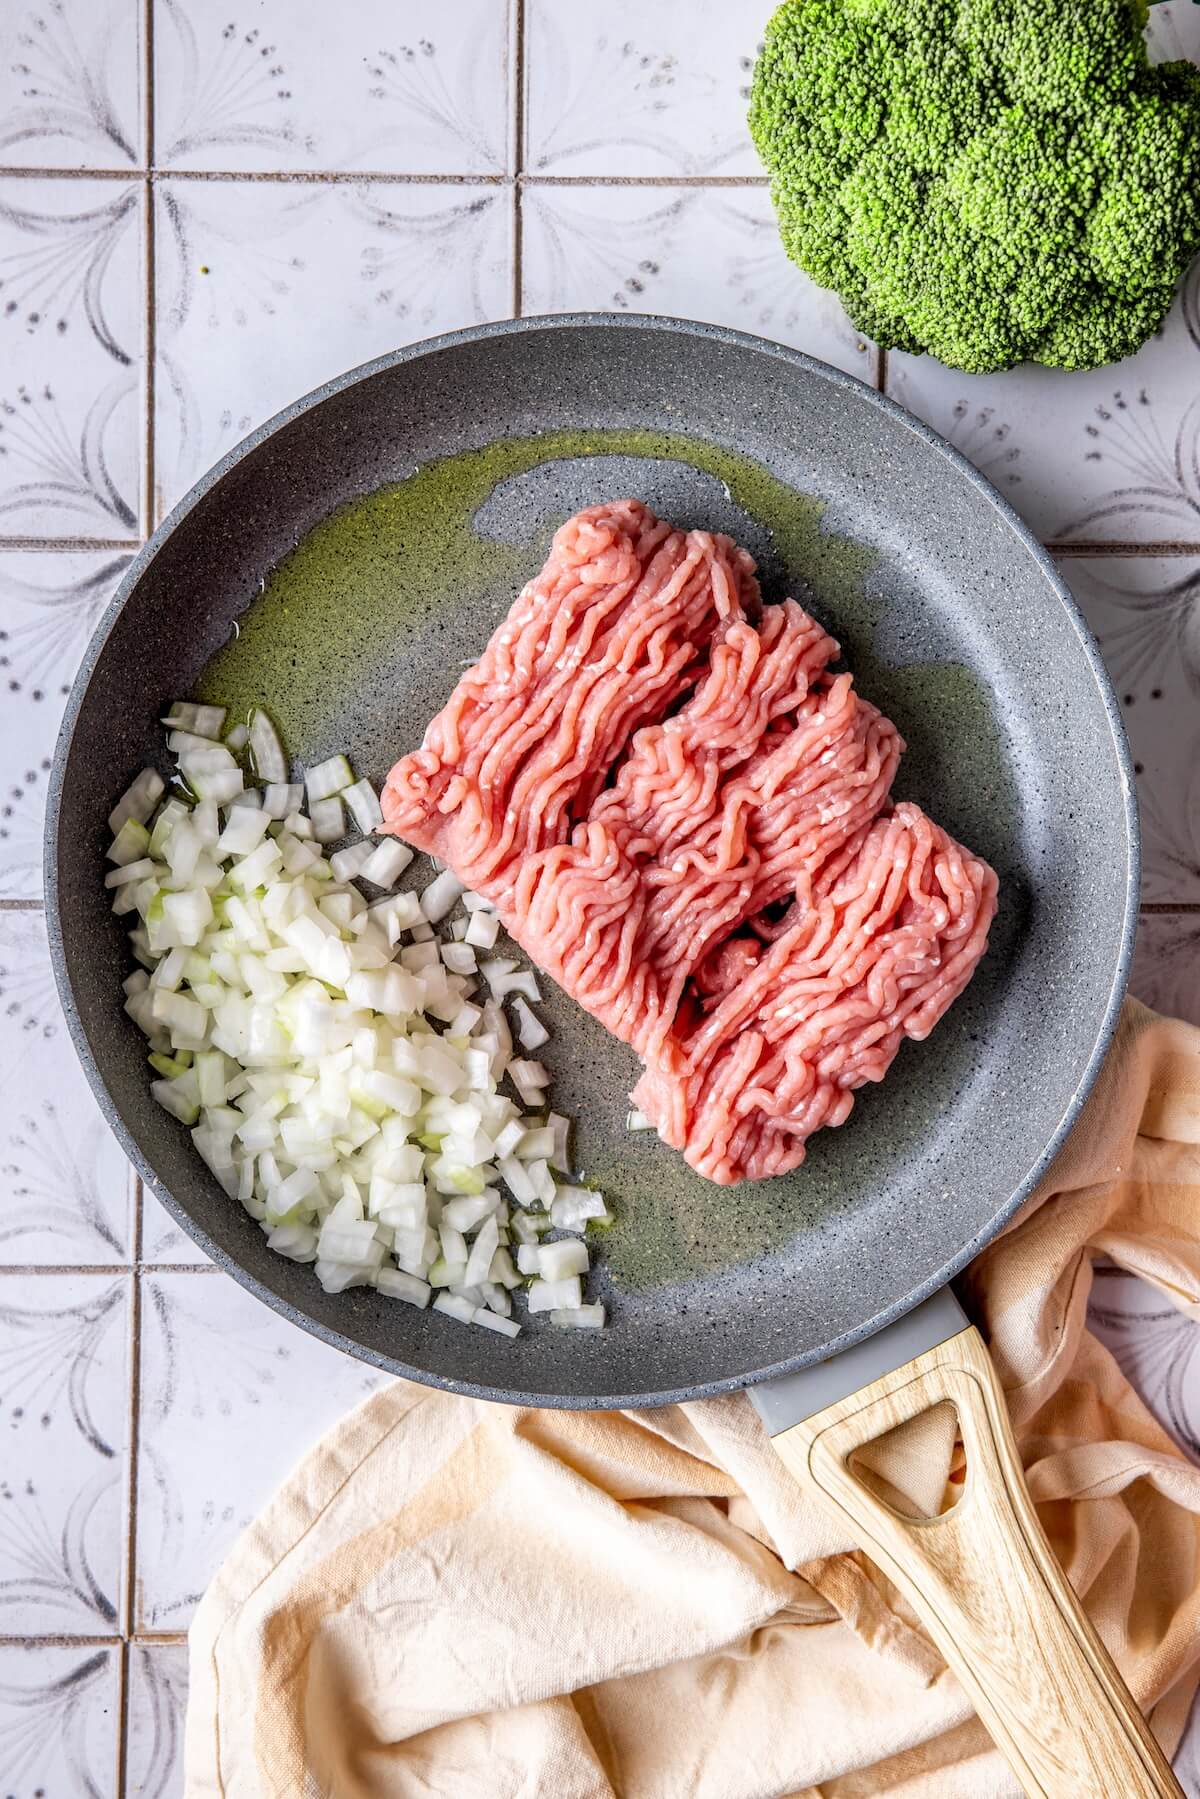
(343, 564)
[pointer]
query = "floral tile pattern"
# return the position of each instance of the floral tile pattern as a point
(215, 1362)
(711, 254)
(50, 604)
(1156, 1346)
(1145, 611)
(418, 89)
(157, 1696)
(63, 1413)
(59, 1712)
(1166, 964)
(66, 1183)
(71, 340)
(243, 271)
(164, 1243)
(637, 90)
(1109, 456)
(70, 94)
(299, 188)
(1173, 33)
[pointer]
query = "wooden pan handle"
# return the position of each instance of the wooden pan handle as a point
(986, 1584)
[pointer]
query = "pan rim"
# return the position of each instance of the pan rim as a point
(451, 340)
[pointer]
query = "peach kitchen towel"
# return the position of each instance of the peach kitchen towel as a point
(460, 1599)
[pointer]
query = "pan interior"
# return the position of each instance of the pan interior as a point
(346, 569)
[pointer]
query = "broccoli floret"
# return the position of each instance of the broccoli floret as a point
(993, 181)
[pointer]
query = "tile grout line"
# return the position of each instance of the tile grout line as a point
(329, 177)
(149, 274)
(121, 1746)
(1083, 547)
(518, 123)
(1086, 548)
(56, 1640)
(110, 1269)
(74, 544)
(316, 177)
(149, 1639)
(133, 1451)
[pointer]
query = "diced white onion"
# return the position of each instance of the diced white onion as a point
(558, 1261)
(531, 1032)
(138, 801)
(573, 1206)
(327, 778)
(386, 863)
(364, 805)
(282, 797)
(440, 895)
(325, 1054)
(455, 1306)
(580, 1318)
(351, 861)
(266, 751)
(328, 819)
(555, 1296)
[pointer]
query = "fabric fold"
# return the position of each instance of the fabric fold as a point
(460, 1599)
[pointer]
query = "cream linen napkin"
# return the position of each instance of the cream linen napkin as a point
(453, 1598)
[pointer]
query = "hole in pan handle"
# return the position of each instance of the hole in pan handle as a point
(982, 1577)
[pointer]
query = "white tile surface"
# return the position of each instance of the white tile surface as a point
(305, 279)
(50, 604)
(71, 312)
(157, 1698)
(69, 84)
(58, 1721)
(630, 89)
(219, 1367)
(163, 1242)
(1166, 964)
(1173, 33)
(420, 88)
(1157, 1346)
(63, 1414)
(1108, 456)
(379, 264)
(65, 1179)
(1145, 611)
(710, 254)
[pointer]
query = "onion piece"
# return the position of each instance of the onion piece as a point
(556, 1296)
(440, 895)
(282, 797)
(138, 801)
(386, 863)
(580, 1318)
(266, 751)
(350, 862)
(299, 1038)
(328, 819)
(364, 806)
(531, 1032)
(326, 778)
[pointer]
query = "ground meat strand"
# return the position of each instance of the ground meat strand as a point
(684, 817)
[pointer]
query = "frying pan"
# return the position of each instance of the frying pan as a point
(344, 563)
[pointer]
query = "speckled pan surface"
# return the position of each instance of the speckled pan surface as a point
(421, 490)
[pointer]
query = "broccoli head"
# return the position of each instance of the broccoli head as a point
(993, 181)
